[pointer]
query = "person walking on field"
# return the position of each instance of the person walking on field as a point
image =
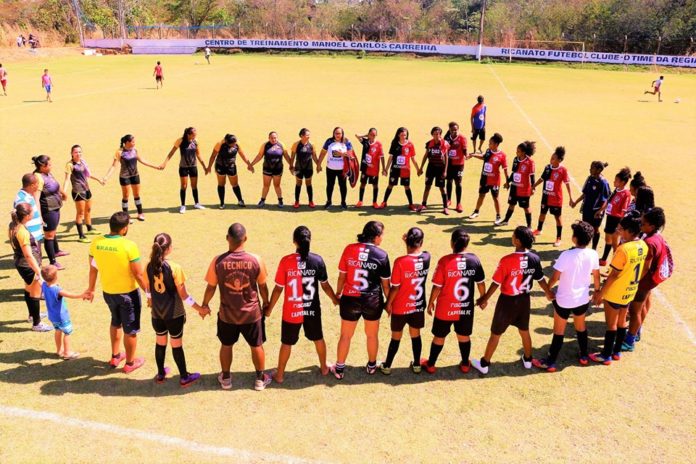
(159, 75)
(3, 79)
(47, 85)
(118, 261)
(241, 277)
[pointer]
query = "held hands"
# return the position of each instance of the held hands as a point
(482, 303)
(420, 172)
(318, 168)
(266, 310)
(161, 166)
(203, 311)
(597, 298)
(388, 309)
(64, 195)
(550, 296)
(431, 308)
(384, 172)
(507, 185)
(250, 167)
(88, 295)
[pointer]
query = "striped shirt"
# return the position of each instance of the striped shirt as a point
(35, 224)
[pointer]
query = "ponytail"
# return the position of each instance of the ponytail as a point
(303, 238)
(371, 231)
(160, 246)
(460, 240)
(125, 139)
(599, 165)
(40, 161)
(188, 131)
(17, 215)
(414, 237)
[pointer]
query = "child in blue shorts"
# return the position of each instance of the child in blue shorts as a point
(58, 311)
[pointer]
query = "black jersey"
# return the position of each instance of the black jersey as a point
(303, 156)
(166, 302)
(227, 156)
(272, 156)
(301, 279)
(188, 153)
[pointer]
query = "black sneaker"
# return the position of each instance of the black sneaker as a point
(327, 206)
(241, 204)
(262, 202)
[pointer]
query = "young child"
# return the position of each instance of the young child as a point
(620, 287)
(514, 276)
(522, 180)
(493, 159)
(595, 193)
(616, 208)
(574, 271)
(58, 310)
(47, 84)
(553, 177)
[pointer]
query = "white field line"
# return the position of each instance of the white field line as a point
(660, 296)
(158, 438)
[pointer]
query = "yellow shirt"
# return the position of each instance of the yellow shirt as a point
(112, 255)
(628, 262)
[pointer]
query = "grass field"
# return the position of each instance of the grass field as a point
(641, 407)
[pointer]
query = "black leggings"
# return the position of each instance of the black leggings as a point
(331, 176)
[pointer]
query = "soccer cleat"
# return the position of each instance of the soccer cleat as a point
(375, 205)
(182, 209)
(616, 356)
(420, 208)
(327, 205)
(459, 208)
(598, 358)
(382, 205)
(262, 383)
(338, 374)
(344, 205)
(415, 368)
(59, 266)
(141, 217)
(312, 205)
(536, 232)
(280, 204)
(198, 206)
(296, 205)
(115, 362)
(498, 221)
(62, 253)
(92, 232)
(384, 369)
(445, 212)
(189, 379)
(41, 327)
(544, 365)
(137, 363)
(628, 347)
(584, 360)
(449, 202)
(473, 215)
(226, 384)
(359, 204)
(602, 262)
(261, 202)
(160, 379)
(413, 208)
(428, 368)
(83, 240)
(241, 204)
(71, 355)
(222, 206)
(476, 363)
(526, 364)
(465, 367)
(557, 243)
(370, 369)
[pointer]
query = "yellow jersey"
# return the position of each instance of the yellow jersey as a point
(628, 262)
(112, 255)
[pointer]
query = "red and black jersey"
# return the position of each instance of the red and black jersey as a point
(515, 272)
(457, 149)
(457, 274)
(371, 154)
(436, 152)
(490, 171)
(618, 202)
(409, 274)
(554, 178)
(301, 279)
(522, 173)
(365, 265)
(401, 161)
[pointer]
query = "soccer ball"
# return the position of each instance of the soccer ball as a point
(677, 100)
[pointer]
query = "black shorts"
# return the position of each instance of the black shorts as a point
(592, 220)
(273, 170)
(254, 333)
(305, 173)
(366, 306)
(435, 173)
(455, 172)
(478, 133)
(645, 286)
(554, 210)
(462, 326)
(365, 179)
(395, 178)
(515, 200)
(494, 189)
(135, 180)
(415, 320)
(173, 327)
(226, 170)
(611, 224)
(191, 171)
(51, 220)
(27, 274)
(511, 310)
(81, 196)
(616, 306)
(565, 312)
(125, 310)
(290, 332)
(158, 78)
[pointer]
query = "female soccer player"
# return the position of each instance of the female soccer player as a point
(77, 173)
(336, 149)
(455, 279)
(658, 267)
(595, 193)
(574, 271)
(372, 158)
(493, 160)
(159, 75)
(272, 153)
(436, 154)
(3, 79)
(615, 207)
(302, 155)
(300, 274)
(553, 178)
(521, 182)
(27, 256)
(188, 148)
(637, 182)
(225, 157)
(363, 279)
(49, 196)
(167, 298)
(455, 166)
(47, 84)
(401, 154)
(128, 176)
(645, 199)
(514, 276)
(620, 287)
(406, 301)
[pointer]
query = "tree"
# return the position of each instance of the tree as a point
(194, 12)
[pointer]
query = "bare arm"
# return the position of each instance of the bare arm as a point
(208, 295)
(293, 153)
(74, 296)
(112, 167)
(482, 301)
(570, 192)
(287, 158)
(555, 278)
(481, 286)
(434, 293)
(198, 155)
(326, 286)
(322, 154)
(340, 283)
(136, 269)
(214, 154)
(263, 291)
(184, 295)
(390, 299)
(275, 295)
(385, 286)
(176, 146)
(149, 165)
(26, 251)
(259, 156)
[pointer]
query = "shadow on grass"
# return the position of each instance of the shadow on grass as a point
(15, 326)
(12, 294)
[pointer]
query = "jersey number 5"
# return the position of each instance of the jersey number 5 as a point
(360, 278)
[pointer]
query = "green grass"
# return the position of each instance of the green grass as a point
(640, 407)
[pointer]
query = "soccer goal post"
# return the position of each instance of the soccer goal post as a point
(564, 45)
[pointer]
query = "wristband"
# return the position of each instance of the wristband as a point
(190, 301)
(148, 294)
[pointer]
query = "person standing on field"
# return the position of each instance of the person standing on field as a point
(478, 124)
(3, 79)
(241, 277)
(159, 75)
(47, 85)
(207, 54)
